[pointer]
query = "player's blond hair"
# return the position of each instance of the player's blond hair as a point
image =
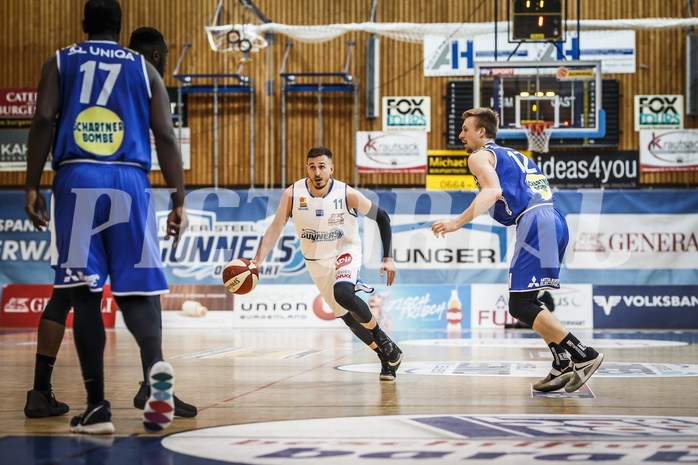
(486, 118)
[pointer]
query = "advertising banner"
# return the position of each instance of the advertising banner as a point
(406, 113)
(284, 306)
(631, 241)
(612, 243)
(617, 237)
(17, 103)
(646, 307)
(669, 150)
(421, 308)
(456, 56)
(447, 170)
(589, 168)
(13, 150)
(22, 305)
(391, 152)
(489, 307)
(658, 112)
(212, 297)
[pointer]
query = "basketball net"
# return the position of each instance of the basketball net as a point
(538, 134)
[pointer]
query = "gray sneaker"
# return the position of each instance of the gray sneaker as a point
(556, 379)
(582, 372)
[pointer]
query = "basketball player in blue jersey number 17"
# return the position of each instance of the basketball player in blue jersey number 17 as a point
(515, 192)
(41, 402)
(324, 213)
(102, 98)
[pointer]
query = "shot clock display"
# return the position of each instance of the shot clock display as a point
(537, 20)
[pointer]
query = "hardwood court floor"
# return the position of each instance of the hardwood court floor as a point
(252, 376)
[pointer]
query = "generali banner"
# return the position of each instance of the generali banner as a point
(22, 305)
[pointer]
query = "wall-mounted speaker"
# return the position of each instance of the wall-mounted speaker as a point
(692, 74)
(372, 77)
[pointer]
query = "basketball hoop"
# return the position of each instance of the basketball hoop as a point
(538, 133)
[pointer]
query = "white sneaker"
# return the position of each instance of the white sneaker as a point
(582, 372)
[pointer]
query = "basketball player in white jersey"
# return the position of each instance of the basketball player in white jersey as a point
(324, 212)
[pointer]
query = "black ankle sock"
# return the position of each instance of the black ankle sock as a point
(561, 359)
(43, 371)
(578, 351)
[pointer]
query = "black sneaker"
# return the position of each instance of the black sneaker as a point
(182, 409)
(389, 349)
(43, 404)
(387, 372)
(95, 420)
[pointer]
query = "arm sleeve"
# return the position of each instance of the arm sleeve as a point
(383, 220)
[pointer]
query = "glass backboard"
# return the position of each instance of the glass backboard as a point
(566, 93)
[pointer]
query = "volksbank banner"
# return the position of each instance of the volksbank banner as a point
(646, 307)
(616, 238)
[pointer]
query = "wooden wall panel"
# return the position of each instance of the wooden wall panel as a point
(32, 29)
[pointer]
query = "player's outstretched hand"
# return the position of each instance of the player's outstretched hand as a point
(444, 226)
(35, 207)
(388, 266)
(177, 223)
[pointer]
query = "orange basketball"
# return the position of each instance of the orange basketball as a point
(240, 276)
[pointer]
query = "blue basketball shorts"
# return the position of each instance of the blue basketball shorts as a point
(541, 239)
(105, 227)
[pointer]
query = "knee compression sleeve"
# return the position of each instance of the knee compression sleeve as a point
(58, 306)
(524, 306)
(345, 295)
(358, 329)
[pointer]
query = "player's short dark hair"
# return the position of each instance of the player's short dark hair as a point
(486, 118)
(102, 16)
(319, 151)
(146, 39)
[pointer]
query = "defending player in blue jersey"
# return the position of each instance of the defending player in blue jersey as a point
(41, 402)
(102, 99)
(515, 192)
